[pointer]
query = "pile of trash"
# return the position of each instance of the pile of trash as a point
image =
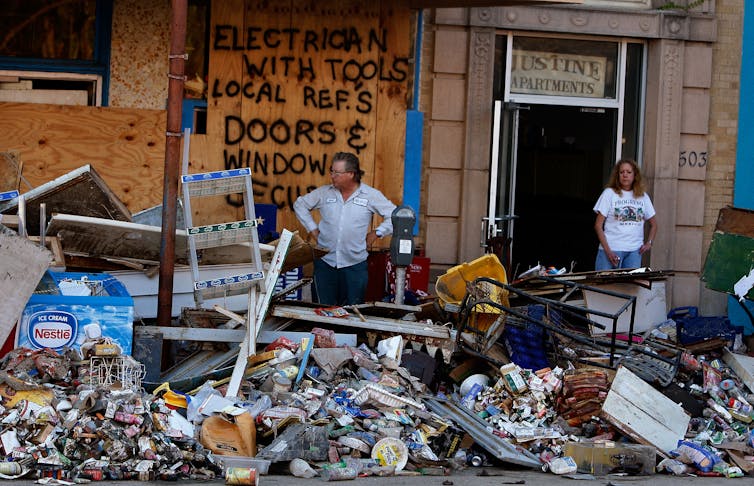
(312, 408)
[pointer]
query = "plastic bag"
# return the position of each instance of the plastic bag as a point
(263, 403)
(195, 401)
(691, 453)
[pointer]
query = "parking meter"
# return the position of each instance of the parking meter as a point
(402, 246)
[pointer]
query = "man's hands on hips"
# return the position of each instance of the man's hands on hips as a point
(371, 238)
(313, 236)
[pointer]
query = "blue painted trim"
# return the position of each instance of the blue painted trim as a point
(412, 169)
(187, 113)
(743, 196)
(418, 41)
(103, 41)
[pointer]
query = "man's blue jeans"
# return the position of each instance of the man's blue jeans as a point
(340, 286)
(628, 259)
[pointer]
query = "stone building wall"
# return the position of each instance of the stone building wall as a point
(681, 124)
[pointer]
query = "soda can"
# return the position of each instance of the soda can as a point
(241, 475)
(93, 474)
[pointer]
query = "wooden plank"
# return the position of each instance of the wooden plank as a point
(51, 96)
(52, 243)
(10, 171)
(127, 146)
(373, 323)
(123, 239)
(23, 263)
(9, 220)
(258, 306)
(81, 191)
(737, 221)
(195, 333)
(643, 413)
(233, 335)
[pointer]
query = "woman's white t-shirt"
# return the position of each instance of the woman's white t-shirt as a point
(624, 218)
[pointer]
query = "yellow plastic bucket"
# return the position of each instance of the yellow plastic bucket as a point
(451, 287)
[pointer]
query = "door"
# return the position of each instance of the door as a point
(552, 164)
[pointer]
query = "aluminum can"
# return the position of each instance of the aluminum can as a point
(241, 475)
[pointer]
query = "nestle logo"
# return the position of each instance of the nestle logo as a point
(52, 329)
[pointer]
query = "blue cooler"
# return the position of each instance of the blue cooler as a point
(53, 320)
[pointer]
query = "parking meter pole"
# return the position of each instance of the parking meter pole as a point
(400, 284)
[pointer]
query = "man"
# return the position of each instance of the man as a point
(346, 207)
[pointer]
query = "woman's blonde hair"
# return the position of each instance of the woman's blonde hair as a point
(614, 183)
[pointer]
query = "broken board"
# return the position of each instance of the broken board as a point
(23, 263)
(122, 239)
(81, 192)
(643, 413)
(406, 328)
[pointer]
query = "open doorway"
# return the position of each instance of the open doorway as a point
(563, 157)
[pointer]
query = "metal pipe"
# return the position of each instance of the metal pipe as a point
(176, 80)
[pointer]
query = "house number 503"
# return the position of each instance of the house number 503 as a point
(692, 159)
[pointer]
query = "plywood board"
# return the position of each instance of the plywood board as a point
(736, 221)
(23, 263)
(81, 191)
(127, 146)
(121, 239)
(651, 306)
(290, 84)
(643, 413)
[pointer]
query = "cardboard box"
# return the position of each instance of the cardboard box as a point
(608, 457)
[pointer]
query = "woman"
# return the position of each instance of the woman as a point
(622, 210)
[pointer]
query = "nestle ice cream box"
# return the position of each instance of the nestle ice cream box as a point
(69, 307)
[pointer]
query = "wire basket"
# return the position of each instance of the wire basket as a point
(116, 372)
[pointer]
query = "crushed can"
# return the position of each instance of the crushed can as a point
(241, 475)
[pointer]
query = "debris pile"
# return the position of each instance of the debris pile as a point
(541, 373)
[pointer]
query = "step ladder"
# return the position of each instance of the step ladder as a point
(220, 183)
(258, 284)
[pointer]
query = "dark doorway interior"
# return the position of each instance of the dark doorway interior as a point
(564, 155)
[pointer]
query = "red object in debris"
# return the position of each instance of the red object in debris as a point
(282, 342)
(324, 338)
(10, 343)
(382, 276)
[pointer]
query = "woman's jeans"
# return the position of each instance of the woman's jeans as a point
(628, 259)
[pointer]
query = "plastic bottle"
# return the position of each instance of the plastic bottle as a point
(301, 469)
(340, 473)
(10, 468)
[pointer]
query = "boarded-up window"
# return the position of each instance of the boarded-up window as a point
(62, 30)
